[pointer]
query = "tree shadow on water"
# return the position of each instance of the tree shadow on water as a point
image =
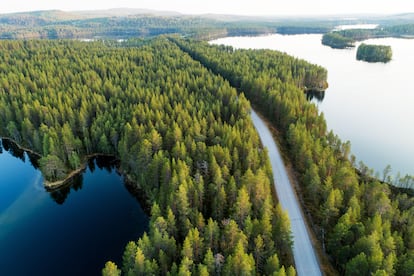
(61, 194)
(16, 151)
(76, 182)
(315, 95)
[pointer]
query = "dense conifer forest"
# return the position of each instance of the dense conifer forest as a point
(365, 226)
(374, 53)
(337, 41)
(174, 113)
(183, 136)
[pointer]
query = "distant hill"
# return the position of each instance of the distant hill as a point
(126, 23)
(403, 16)
(124, 12)
(36, 18)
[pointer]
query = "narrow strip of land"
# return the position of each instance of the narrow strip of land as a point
(303, 252)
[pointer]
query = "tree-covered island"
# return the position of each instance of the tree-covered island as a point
(374, 53)
(337, 41)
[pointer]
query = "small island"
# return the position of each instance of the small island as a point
(374, 53)
(337, 41)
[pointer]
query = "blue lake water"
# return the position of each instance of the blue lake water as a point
(73, 231)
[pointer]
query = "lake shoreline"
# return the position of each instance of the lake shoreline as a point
(54, 185)
(20, 146)
(68, 225)
(358, 94)
(132, 186)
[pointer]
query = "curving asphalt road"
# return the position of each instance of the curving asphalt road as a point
(305, 257)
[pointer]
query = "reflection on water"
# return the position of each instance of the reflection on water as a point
(60, 195)
(106, 163)
(355, 26)
(315, 95)
(371, 105)
(15, 151)
(23, 206)
(70, 231)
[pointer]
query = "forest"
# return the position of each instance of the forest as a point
(182, 134)
(374, 53)
(175, 113)
(364, 225)
(337, 41)
(347, 38)
(131, 24)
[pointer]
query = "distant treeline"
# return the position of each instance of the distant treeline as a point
(59, 25)
(129, 24)
(347, 38)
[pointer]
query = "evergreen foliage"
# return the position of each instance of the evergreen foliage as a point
(181, 133)
(184, 136)
(347, 38)
(337, 41)
(374, 53)
(367, 225)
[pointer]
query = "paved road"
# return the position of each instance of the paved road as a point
(305, 257)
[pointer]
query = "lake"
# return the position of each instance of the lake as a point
(369, 104)
(72, 231)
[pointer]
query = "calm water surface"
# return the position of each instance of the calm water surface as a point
(70, 232)
(369, 104)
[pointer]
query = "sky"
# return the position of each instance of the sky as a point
(241, 7)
